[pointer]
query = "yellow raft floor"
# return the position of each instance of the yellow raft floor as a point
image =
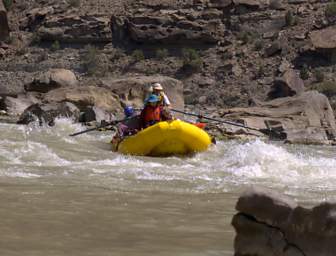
(166, 138)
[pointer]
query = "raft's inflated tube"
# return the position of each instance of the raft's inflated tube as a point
(166, 138)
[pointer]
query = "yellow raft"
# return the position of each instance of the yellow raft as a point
(166, 138)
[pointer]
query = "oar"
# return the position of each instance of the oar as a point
(98, 127)
(215, 120)
(265, 131)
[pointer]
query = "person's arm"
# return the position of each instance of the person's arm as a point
(166, 101)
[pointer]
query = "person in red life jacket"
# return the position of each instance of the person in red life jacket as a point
(151, 114)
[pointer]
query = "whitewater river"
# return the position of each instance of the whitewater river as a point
(64, 195)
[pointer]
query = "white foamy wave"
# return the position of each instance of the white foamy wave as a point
(30, 153)
(258, 161)
(21, 175)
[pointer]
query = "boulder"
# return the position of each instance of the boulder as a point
(72, 28)
(269, 223)
(86, 96)
(324, 39)
(289, 84)
(4, 28)
(172, 26)
(306, 118)
(52, 79)
(133, 90)
(17, 105)
(93, 113)
(46, 113)
(273, 49)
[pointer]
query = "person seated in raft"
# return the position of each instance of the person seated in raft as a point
(128, 127)
(153, 112)
(157, 90)
(131, 124)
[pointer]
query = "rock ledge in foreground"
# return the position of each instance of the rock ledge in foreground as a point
(270, 224)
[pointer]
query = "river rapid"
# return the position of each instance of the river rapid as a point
(64, 195)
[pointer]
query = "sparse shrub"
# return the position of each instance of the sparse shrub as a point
(191, 59)
(55, 46)
(258, 45)
(74, 3)
(21, 51)
(319, 75)
(43, 56)
(90, 60)
(8, 4)
(260, 71)
(10, 40)
(161, 54)
(138, 55)
(304, 72)
(247, 36)
(330, 10)
(36, 39)
(227, 55)
(328, 88)
(290, 19)
(244, 37)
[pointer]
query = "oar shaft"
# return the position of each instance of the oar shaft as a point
(214, 119)
(96, 128)
(89, 130)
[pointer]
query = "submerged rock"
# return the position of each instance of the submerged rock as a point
(46, 113)
(17, 105)
(271, 224)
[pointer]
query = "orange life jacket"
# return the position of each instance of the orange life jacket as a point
(150, 115)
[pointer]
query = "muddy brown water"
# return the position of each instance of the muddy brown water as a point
(64, 195)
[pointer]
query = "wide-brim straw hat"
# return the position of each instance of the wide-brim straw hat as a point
(157, 86)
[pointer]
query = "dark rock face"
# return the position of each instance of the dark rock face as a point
(68, 28)
(169, 26)
(91, 114)
(307, 118)
(289, 84)
(133, 90)
(273, 49)
(35, 17)
(46, 113)
(52, 79)
(272, 224)
(84, 96)
(4, 28)
(77, 29)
